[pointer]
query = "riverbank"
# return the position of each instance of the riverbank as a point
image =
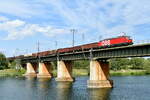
(128, 72)
(11, 72)
(85, 72)
(76, 72)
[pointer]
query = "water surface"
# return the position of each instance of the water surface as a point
(125, 88)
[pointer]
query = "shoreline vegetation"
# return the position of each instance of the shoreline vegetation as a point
(85, 72)
(76, 72)
(11, 72)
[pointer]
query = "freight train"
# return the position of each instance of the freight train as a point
(106, 43)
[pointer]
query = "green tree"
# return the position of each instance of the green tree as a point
(147, 65)
(12, 64)
(3, 61)
(137, 63)
(81, 64)
(119, 63)
(16, 64)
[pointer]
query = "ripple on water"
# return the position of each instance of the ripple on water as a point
(125, 88)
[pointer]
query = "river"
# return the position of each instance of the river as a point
(125, 88)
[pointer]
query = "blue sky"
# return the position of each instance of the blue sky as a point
(24, 22)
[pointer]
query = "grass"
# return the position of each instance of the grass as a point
(84, 72)
(11, 72)
(80, 72)
(75, 72)
(128, 72)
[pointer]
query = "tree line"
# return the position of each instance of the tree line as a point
(121, 63)
(130, 63)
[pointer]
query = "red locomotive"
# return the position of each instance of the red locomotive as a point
(118, 41)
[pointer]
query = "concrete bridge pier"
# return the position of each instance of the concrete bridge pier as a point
(99, 75)
(44, 70)
(31, 69)
(64, 71)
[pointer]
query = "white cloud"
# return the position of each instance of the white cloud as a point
(21, 32)
(105, 17)
(11, 24)
(50, 31)
(22, 8)
(18, 29)
(137, 12)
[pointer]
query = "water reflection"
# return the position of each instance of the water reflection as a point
(63, 90)
(43, 83)
(99, 94)
(126, 88)
(30, 82)
(44, 88)
(30, 78)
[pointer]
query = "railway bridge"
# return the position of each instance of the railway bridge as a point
(99, 63)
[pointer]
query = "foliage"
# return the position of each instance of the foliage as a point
(81, 64)
(54, 65)
(147, 66)
(132, 63)
(115, 64)
(3, 61)
(119, 63)
(137, 63)
(11, 72)
(16, 64)
(127, 72)
(12, 64)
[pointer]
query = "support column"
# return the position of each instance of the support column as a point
(99, 75)
(64, 71)
(31, 70)
(44, 70)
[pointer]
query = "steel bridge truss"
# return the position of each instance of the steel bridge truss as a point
(102, 54)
